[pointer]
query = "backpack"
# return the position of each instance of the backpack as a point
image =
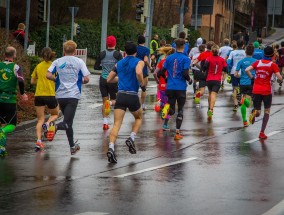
(281, 58)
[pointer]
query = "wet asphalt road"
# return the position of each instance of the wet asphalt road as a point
(218, 169)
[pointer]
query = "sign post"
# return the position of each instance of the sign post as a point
(74, 11)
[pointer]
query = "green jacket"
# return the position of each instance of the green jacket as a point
(8, 83)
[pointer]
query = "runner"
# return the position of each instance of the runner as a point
(44, 95)
(105, 62)
(130, 76)
(214, 67)
(246, 83)
(10, 75)
(177, 66)
(258, 53)
(196, 70)
(71, 74)
(233, 60)
(262, 90)
(143, 54)
(195, 50)
(182, 35)
(201, 76)
(163, 99)
(223, 53)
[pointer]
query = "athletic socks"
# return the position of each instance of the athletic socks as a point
(106, 120)
(8, 128)
(264, 122)
(244, 112)
(111, 146)
(133, 135)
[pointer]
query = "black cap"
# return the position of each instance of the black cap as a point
(141, 39)
(130, 48)
(268, 51)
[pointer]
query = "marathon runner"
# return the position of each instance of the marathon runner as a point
(130, 77)
(71, 74)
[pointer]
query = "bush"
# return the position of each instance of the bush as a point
(90, 36)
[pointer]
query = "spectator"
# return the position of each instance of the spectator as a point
(20, 34)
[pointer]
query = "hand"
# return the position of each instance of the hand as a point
(190, 82)
(24, 97)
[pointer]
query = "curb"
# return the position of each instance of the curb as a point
(32, 123)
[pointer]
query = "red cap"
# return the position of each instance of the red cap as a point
(111, 41)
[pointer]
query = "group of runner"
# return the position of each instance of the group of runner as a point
(251, 72)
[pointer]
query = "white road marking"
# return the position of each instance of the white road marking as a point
(156, 167)
(93, 213)
(276, 210)
(94, 106)
(268, 135)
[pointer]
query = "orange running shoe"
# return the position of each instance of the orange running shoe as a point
(107, 108)
(178, 136)
(197, 97)
(246, 124)
(105, 127)
(40, 145)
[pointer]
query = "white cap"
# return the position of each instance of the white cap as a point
(199, 41)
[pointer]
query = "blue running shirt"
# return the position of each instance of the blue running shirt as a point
(242, 65)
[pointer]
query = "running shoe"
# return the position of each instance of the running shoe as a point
(235, 109)
(197, 97)
(107, 108)
(111, 156)
(144, 108)
(165, 111)
(229, 80)
(130, 143)
(262, 136)
(246, 124)
(75, 149)
(45, 129)
(209, 115)
(105, 127)
(39, 145)
(252, 116)
(157, 107)
(166, 127)
(51, 131)
(178, 136)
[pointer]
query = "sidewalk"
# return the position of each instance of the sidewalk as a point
(278, 35)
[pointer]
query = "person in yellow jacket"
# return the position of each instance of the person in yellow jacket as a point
(44, 95)
(154, 46)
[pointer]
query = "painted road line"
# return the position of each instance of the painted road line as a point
(93, 213)
(94, 106)
(156, 167)
(276, 210)
(268, 135)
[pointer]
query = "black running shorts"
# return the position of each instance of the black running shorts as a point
(258, 99)
(125, 100)
(49, 101)
(108, 89)
(246, 89)
(8, 113)
(213, 86)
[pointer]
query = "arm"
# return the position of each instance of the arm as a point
(238, 72)
(20, 77)
(50, 76)
(112, 76)
(97, 65)
(86, 79)
(248, 69)
(34, 77)
(139, 73)
(155, 74)
(279, 77)
(146, 61)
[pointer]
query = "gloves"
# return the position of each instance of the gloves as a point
(190, 82)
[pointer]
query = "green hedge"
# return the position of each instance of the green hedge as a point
(91, 35)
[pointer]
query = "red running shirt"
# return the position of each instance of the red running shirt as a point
(215, 68)
(204, 55)
(264, 70)
(162, 81)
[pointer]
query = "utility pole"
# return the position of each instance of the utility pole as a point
(181, 15)
(48, 23)
(28, 7)
(196, 13)
(7, 18)
(118, 12)
(104, 25)
(151, 19)
(148, 23)
(72, 22)
(273, 14)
